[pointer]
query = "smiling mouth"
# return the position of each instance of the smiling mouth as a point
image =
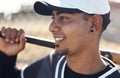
(58, 40)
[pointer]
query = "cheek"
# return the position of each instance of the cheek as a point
(73, 31)
(75, 36)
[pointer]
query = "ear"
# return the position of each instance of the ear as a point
(96, 23)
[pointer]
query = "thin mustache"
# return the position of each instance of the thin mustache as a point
(58, 35)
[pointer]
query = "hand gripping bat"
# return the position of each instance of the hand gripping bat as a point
(39, 41)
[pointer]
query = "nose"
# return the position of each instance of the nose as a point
(54, 26)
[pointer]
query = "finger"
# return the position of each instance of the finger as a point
(3, 30)
(7, 34)
(13, 35)
(20, 32)
(22, 42)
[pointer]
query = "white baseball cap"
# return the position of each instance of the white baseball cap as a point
(88, 6)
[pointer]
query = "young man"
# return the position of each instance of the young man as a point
(76, 27)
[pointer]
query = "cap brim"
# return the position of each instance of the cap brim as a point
(44, 8)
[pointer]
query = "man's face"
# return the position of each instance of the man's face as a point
(70, 32)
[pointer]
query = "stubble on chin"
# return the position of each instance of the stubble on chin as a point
(62, 51)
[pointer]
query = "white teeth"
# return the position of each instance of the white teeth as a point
(59, 39)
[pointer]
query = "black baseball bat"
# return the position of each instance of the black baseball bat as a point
(38, 41)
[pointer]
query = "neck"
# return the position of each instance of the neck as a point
(86, 62)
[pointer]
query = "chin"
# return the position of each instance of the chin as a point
(62, 51)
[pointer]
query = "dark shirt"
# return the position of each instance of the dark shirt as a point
(71, 74)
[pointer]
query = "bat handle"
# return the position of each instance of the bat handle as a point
(38, 41)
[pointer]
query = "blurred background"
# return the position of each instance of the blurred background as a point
(20, 14)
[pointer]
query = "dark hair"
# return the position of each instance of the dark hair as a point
(106, 19)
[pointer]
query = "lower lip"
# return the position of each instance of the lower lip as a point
(58, 42)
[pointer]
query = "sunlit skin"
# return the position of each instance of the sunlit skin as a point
(13, 41)
(72, 28)
(79, 45)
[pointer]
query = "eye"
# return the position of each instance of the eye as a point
(52, 17)
(63, 18)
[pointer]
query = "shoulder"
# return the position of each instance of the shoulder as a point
(113, 72)
(30, 71)
(34, 69)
